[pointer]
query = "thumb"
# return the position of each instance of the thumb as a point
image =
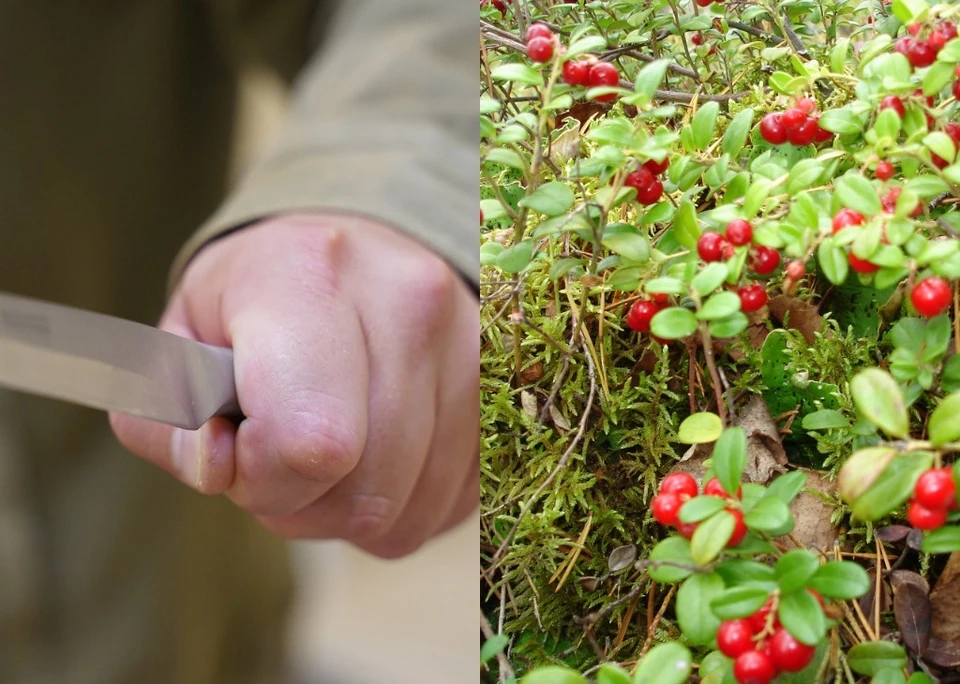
(202, 459)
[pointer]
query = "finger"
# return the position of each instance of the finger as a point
(302, 380)
(202, 459)
(468, 501)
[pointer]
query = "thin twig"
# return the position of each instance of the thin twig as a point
(506, 671)
(712, 367)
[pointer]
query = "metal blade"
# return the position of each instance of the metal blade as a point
(111, 364)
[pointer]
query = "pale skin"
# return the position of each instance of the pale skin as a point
(357, 366)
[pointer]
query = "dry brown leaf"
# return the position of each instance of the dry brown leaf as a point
(559, 421)
(765, 454)
(528, 402)
(867, 600)
(582, 112)
(813, 529)
(944, 647)
(532, 373)
(803, 316)
(911, 609)
(565, 146)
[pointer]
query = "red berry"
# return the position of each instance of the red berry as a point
(650, 194)
(793, 118)
(656, 168)
(920, 54)
(902, 44)
(660, 299)
(925, 518)
(765, 260)
(575, 72)
(884, 170)
(739, 528)
(948, 29)
(754, 667)
(889, 201)
(936, 41)
(772, 130)
(931, 297)
(795, 270)
(758, 621)
(953, 130)
(919, 93)
(752, 297)
(665, 508)
(822, 135)
(846, 217)
(956, 89)
(895, 103)
(640, 315)
(710, 246)
(788, 654)
(861, 265)
(739, 232)
(734, 637)
(807, 105)
(703, 3)
(603, 74)
(696, 39)
(540, 49)
(539, 31)
(686, 530)
(499, 4)
(913, 29)
(714, 488)
(935, 489)
(805, 133)
(641, 179)
(681, 484)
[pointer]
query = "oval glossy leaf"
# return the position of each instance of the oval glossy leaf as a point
(739, 602)
(709, 279)
(612, 674)
(737, 131)
(669, 663)
(787, 486)
(871, 657)
(833, 261)
(700, 508)
(703, 124)
(889, 676)
(730, 457)
(893, 487)
(627, 241)
(677, 564)
(878, 397)
(856, 192)
(731, 326)
(944, 540)
(738, 571)
(711, 537)
(516, 257)
(665, 285)
(517, 72)
(551, 199)
(800, 613)
(825, 419)
(768, 514)
(493, 646)
(944, 425)
(694, 616)
(700, 428)
(861, 470)
(674, 323)
(553, 674)
(720, 305)
(840, 580)
(793, 569)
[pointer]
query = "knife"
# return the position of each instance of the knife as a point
(112, 364)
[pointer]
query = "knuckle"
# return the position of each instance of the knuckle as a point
(317, 447)
(431, 285)
(370, 516)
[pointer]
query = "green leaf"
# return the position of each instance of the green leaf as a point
(769, 514)
(738, 571)
(927, 186)
(709, 279)
(669, 663)
(841, 121)
(940, 144)
(493, 646)
(787, 486)
(739, 602)
(838, 55)
(804, 174)
(870, 657)
(736, 134)
(861, 470)
(944, 425)
(703, 124)
(612, 674)
(833, 261)
(711, 537)
(825, 419)
(700, 508)
(506, 157)
(700, 428)
(670, 550)
(919, 678)
(489, 251)
(685, 224)
(731, 326)
(887, 124)
(908, 12)
(720, 305)
(552, 199)
(561, 267)
(757, 193)
(626, 240)
(517, 257)
(893, 487)
(793, 569)
(648, 79)
(801, 615)
(665, 285)
(889, 676)
(517, 72)
(696, 620)
(585, 44)
(878, 397)
(730, 458)
(673, 323)
(856, 192)
(944, 540)
(938, 75)
(840, 580)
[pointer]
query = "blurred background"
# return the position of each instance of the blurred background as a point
(360, 620)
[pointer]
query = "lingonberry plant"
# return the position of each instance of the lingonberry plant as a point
(720, 253)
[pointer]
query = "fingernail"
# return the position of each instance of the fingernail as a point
(187, 454)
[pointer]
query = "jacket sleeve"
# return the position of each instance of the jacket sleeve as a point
(383, 123)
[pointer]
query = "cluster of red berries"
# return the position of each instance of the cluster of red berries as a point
(713, 246)
(592, 73)
(645, 181)
(761, 648)
(707, 3)
(678, 488)
(697, 39)
(642, 312)
(540, 42)
(934, 496)
(922, 52)
(799, 125)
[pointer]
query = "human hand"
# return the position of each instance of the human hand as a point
(356, 354)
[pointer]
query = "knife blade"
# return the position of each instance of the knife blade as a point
(112, 364)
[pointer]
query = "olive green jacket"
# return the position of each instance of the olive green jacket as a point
(116, 128)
